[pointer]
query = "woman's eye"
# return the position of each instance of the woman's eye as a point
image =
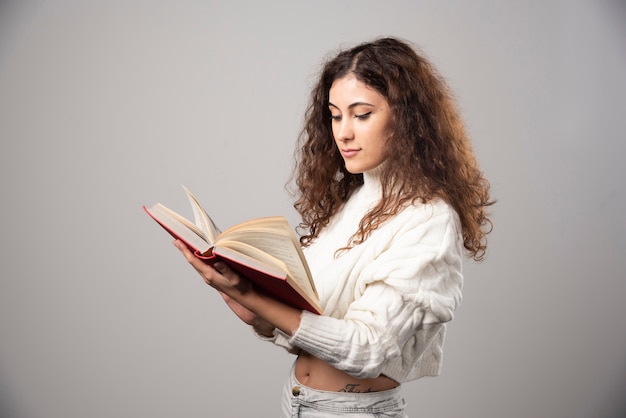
(363, 116)
(335, 117)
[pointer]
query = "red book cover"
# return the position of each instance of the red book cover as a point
(274, 285)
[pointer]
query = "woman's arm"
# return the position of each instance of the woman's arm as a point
(252, 307)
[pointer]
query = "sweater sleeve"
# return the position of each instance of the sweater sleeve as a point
(408, 289)
(280, 339)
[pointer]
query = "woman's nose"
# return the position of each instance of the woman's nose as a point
(344, 131)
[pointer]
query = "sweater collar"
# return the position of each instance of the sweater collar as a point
(371, 180)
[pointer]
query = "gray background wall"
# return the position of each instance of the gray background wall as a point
(108, 105)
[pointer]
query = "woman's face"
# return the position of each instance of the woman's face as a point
(360, 121)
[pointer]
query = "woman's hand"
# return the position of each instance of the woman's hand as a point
(218, 276)
(257, 309)
(230, 285)
(260, 326)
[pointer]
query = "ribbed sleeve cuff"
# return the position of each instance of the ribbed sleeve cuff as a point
(319, 335)
(280, 339)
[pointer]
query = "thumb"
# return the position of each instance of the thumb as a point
(221, 267)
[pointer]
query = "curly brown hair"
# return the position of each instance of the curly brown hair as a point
(429, 147)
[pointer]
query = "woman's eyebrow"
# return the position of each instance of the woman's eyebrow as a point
(355, 104)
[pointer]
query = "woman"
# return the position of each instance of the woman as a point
(391, 197)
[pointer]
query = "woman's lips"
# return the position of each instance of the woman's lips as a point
(347, 153)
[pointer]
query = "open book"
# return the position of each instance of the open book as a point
(264, 250)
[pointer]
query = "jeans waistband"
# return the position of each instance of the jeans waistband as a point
(313, 401)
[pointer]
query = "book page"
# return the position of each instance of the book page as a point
(202, 218)
(276, 225)
(278, 246)
(179, 227)
(256, 258)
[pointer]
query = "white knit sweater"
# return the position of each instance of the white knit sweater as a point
(386, 300)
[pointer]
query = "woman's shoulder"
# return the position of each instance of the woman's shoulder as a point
(434, 222)
(428, 232)
(434, 210)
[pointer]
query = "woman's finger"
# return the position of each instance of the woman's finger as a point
(184, 250)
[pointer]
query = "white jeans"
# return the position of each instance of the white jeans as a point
(302, 401)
